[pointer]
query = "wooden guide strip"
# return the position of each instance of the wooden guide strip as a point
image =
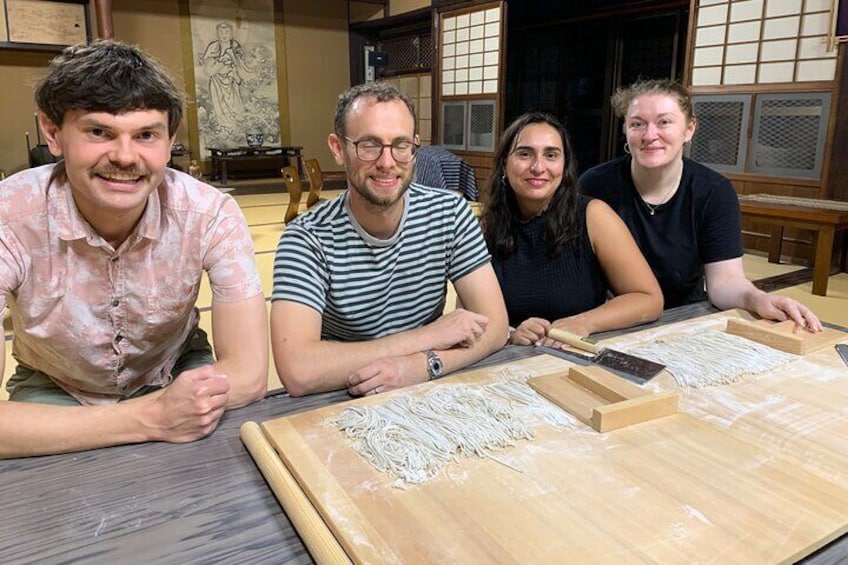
(767, 335)
(568, 395)
(634, 411)
(603, 400)
(322, 545)
(611, 388)
(782, 335)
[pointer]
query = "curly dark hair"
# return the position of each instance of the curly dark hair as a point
(500, 213)
(108, 76)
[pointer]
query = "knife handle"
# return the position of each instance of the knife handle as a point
(574, 340)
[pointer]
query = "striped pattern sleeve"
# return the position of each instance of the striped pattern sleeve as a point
(469, 251)
(300, 265)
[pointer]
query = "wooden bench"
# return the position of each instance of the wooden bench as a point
(824, 222)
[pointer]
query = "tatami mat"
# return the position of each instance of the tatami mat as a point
(832, 308)
(757, 267)
(264, 214)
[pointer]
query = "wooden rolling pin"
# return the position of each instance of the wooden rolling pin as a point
(320, 541)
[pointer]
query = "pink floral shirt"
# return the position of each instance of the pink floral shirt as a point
(103, 322)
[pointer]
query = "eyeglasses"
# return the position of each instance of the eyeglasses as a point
(369, 150)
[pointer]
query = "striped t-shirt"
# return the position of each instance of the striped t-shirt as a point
(368, 288)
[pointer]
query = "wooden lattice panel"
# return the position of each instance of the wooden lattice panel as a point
(762, 41)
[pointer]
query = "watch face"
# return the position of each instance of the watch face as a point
(435, 364)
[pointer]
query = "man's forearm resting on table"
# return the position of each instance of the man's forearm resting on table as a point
(38, 429)
(311, 365)
(240, 335)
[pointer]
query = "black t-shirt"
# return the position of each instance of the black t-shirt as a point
(700, 224)
(537, 285)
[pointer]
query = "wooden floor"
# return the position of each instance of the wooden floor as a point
(264, 212)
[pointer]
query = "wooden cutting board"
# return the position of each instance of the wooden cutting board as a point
(728, 479)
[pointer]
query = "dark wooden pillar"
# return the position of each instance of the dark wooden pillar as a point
(837, 178)
(103, 13)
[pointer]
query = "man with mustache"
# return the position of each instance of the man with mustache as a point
(360, 282)
(101, 257)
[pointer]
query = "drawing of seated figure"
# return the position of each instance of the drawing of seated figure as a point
(225, 64)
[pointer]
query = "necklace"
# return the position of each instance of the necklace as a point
(652, 208)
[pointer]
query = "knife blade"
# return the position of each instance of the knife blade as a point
(842, 349)
(641, 369)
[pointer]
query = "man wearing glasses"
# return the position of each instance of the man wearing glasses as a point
(360, 282)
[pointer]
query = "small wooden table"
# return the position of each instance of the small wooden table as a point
(826, 223)
(279, 156)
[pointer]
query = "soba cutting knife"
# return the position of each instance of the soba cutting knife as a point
(842, 349)
(641, 370)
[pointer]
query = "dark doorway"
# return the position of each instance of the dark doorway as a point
(570, 65)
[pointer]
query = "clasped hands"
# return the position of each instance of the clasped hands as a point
(459, 328)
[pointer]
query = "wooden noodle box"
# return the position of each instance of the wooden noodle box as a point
(781, 335)
(603, 400)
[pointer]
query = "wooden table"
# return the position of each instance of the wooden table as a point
(825, 223)
(199, 502)
(279, 157)
(179, 152)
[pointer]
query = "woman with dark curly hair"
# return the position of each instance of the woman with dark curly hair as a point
(558, 255)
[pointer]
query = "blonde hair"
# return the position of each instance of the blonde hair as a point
(623, 97)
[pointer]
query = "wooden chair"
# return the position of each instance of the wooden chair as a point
(316, 181)
(294, 188)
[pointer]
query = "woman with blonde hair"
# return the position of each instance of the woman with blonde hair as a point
(684, 216)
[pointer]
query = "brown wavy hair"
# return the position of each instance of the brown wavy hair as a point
(108, 76)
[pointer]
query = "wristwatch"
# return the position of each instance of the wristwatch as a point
(435, 367)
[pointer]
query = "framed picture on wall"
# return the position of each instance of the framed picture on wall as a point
(44, 22)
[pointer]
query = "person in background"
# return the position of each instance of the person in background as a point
(360, 282)
(684, 216)
(101, 257)
(558, 254)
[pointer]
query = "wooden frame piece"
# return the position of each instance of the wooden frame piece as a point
(295, 189)
(782, 335)
(316, 181)
(603, 400)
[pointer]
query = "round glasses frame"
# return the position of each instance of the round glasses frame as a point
(373, 152)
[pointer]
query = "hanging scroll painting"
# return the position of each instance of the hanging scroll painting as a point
(235, 72)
